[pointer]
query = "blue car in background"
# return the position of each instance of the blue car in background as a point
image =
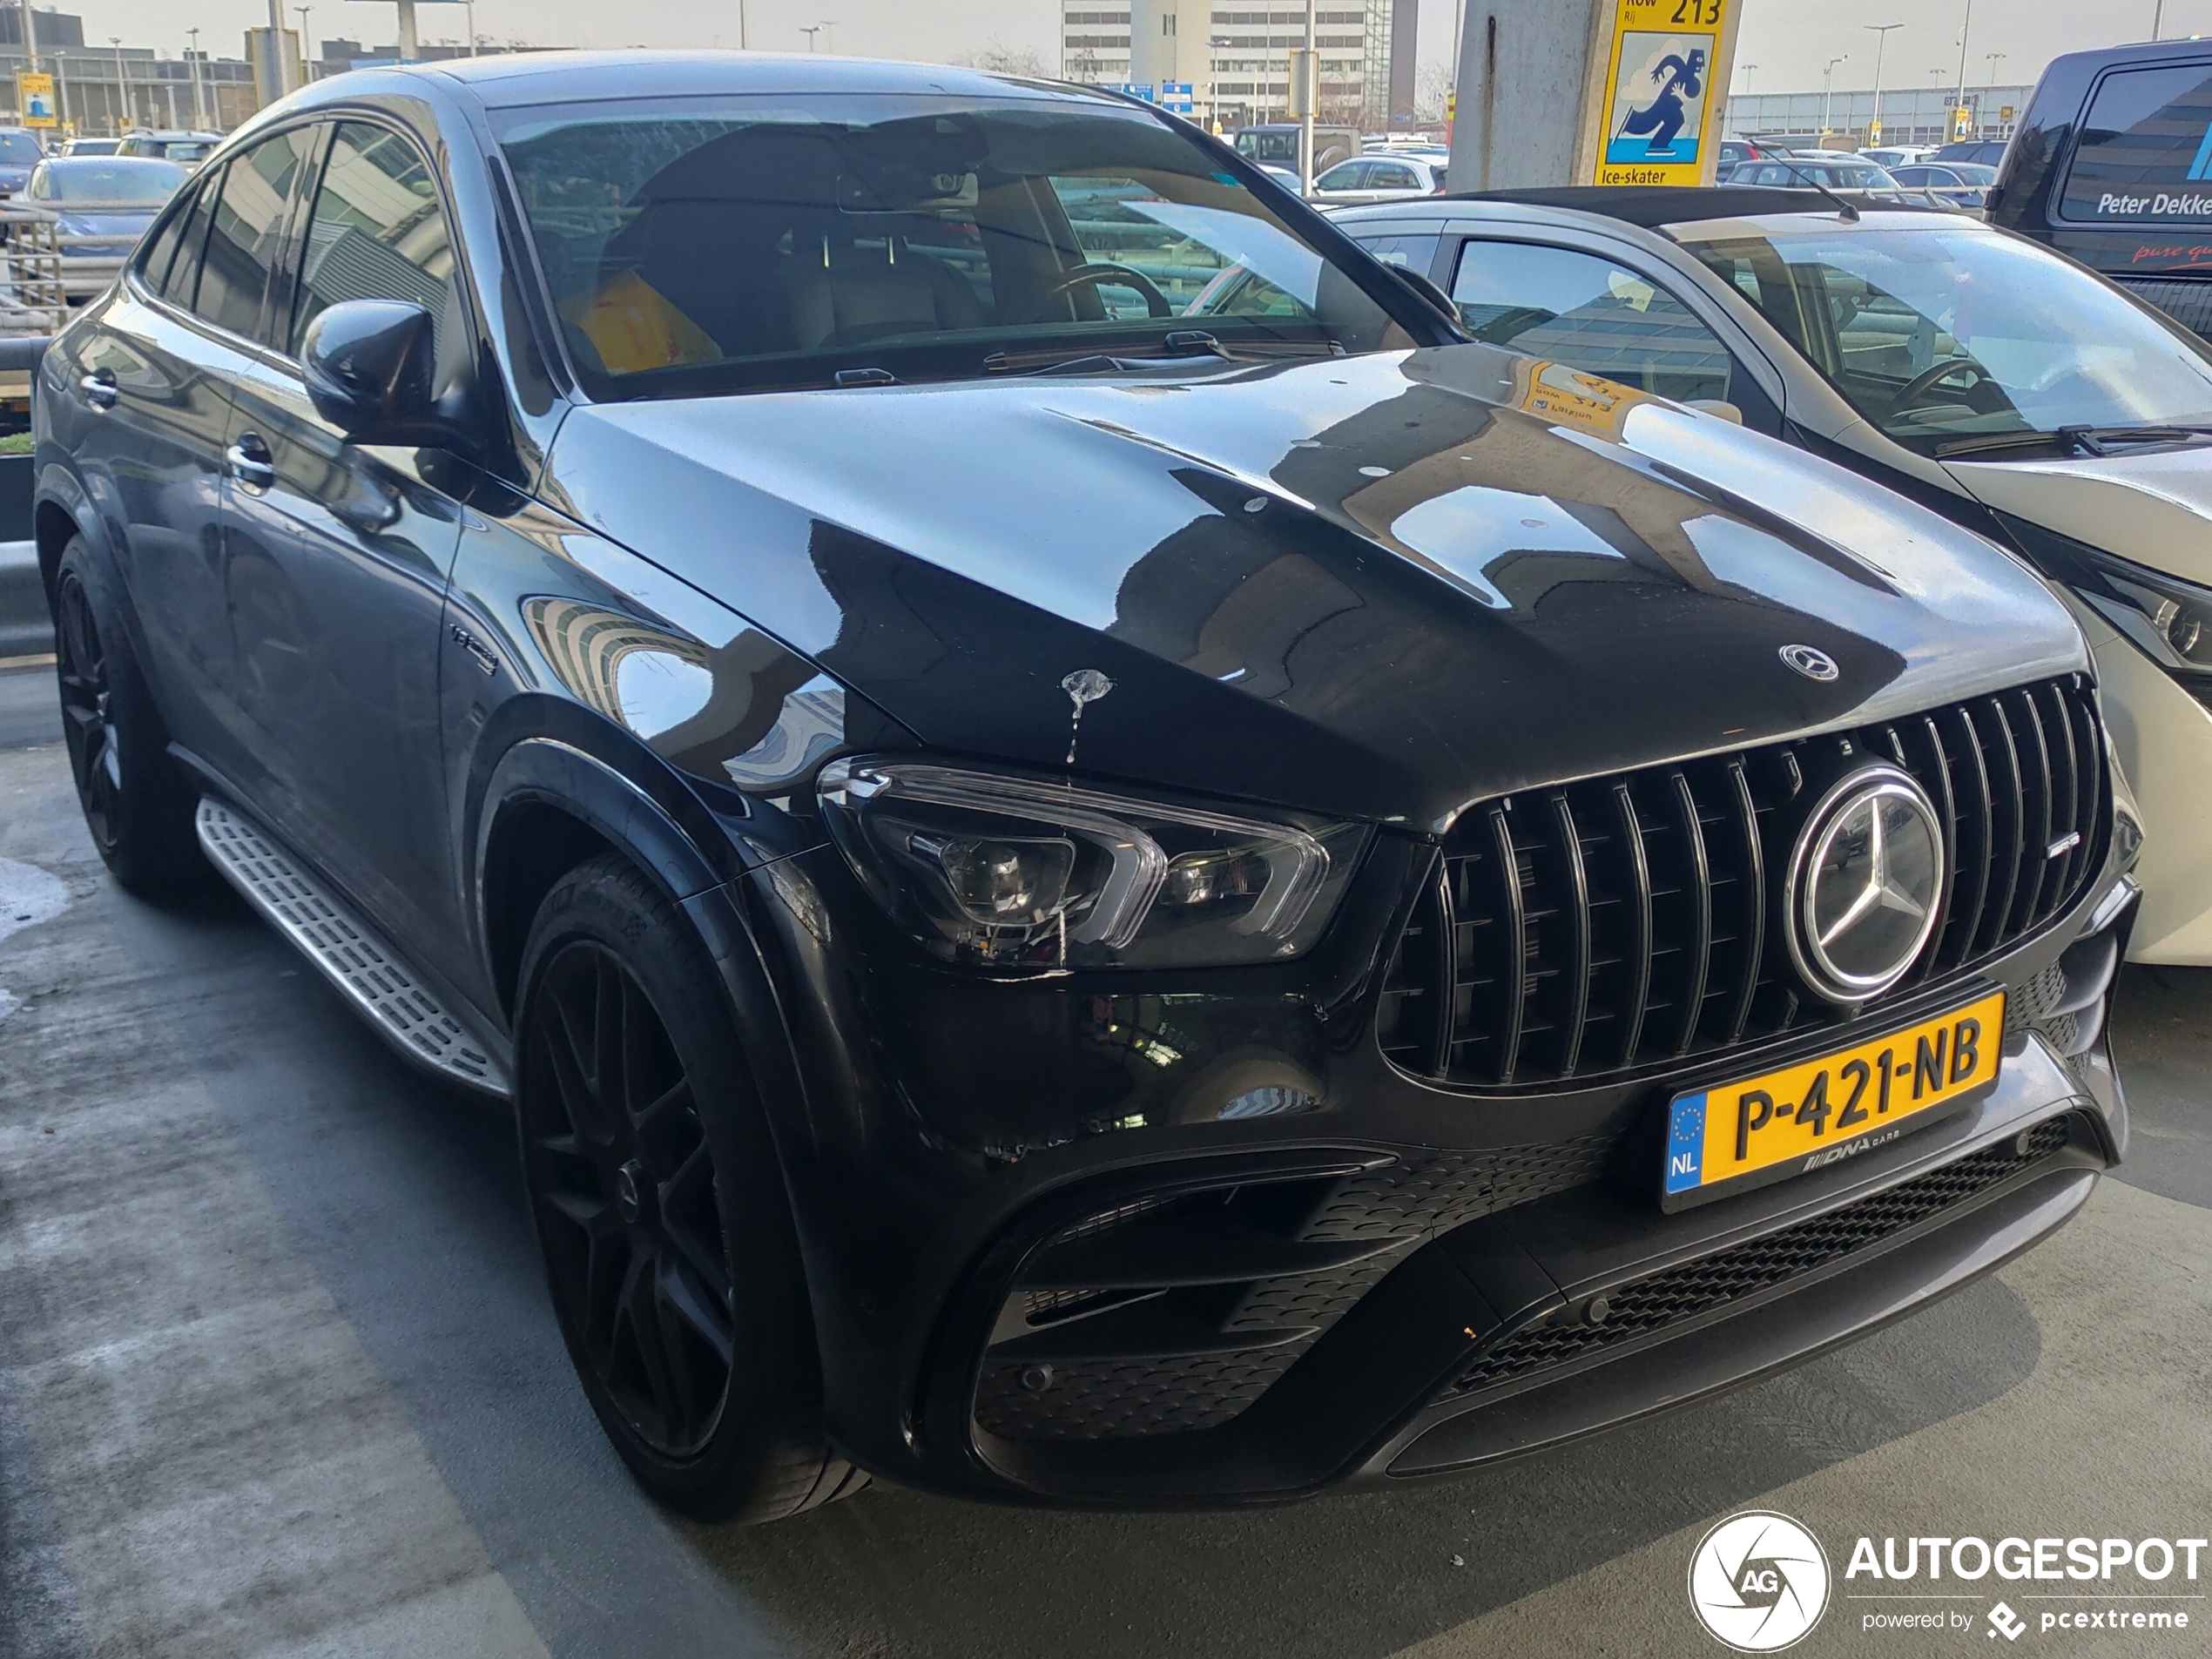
(101, 205)
(20, 151)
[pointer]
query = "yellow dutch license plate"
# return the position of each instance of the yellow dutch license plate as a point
(1806, 1117)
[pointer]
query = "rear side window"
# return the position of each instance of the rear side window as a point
(2145, 149)
(180, 280)
(1585, 312)
(161, 251)
(377, 232)
(247, 241)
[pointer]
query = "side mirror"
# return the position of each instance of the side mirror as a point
(1437, 299)
(371, 369)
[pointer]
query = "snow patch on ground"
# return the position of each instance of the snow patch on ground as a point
(28, 896)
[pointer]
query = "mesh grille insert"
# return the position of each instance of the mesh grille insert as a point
(1694, 1287)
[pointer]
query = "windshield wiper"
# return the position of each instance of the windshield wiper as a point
(2074, 440)
(1182, 346)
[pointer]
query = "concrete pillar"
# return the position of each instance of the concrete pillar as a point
(1525, 70)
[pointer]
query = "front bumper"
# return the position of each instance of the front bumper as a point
(1312, 1251)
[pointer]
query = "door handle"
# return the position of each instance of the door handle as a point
(250, 462)
(99, 390)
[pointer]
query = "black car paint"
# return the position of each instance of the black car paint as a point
(2170, 268)
(919, 1111)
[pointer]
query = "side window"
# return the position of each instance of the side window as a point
(1391, 175)
(161, 248)
(1350, 175)
(1585, 312)
(181, 282)
(246, 241)
(377, 232)
(2145, 149)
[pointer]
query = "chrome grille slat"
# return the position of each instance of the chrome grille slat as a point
(1623, 922)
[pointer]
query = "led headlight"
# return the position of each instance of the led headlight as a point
(1009, 872)
(2169, 619)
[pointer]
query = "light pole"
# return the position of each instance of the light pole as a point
(469, 6)
(61, 91)
(199, 95)
(2158, 19)
(1991, 84)
(811, 30)
(122, 86)
(1965, 30)
(1309, 70)
(30, 39)
(1828, 92)
(743, 45)
(1881, 32)
(1214, 47)
(306, 55)
(1745, 70)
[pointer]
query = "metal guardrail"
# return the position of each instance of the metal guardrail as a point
(43, 268)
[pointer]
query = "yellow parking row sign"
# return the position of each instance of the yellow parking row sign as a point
(1657, 119)
(34, 97)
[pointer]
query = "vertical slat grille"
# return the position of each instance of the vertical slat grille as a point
(1622, 922)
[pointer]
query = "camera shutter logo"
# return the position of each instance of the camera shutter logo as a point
(1759, 1582)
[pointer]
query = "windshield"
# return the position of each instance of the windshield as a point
(19, 149)
(694, 246)
(1943, 333)
(122, 179)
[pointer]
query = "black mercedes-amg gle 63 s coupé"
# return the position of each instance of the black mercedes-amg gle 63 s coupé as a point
(1101, 864)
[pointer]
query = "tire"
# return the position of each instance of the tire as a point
(652, 1177)
(137, 801)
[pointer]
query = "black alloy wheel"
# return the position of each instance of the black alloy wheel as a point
(95, 755)
(623, 1180)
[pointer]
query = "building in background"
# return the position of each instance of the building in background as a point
(1237, 59)
(101, 89)
(1910, 115)
(339, 54)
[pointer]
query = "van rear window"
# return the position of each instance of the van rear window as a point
(2145, 149)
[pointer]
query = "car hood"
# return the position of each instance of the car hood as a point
(2152, 507)
(1386, 586)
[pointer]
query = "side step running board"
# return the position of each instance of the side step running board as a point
(344, 948)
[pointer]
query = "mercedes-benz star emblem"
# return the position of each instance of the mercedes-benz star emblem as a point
(1866, 885)
(1812, 662)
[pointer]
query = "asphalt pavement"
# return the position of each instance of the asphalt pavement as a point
(278, 1376)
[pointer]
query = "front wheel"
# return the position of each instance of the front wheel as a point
(660, 1209)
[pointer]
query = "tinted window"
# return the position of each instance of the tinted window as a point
(248, 236)
(19, 149)
(1589, 314)
(153, 264)
(2145, 149)
(1392, 175)
(180, 285)
(377, 232)
(1351, 175)
(136, 179)
(695, 247)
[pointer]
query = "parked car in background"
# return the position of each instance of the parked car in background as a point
(1734, 150)
(100, 207)
(88, 146)
(1894, 155)
(1382, 178)
(20, 151)
(1982, 152)
(2010, 389)
(1801, 171)
(1955, 183)
(1277, 142)
(186, 148)
(1180, 900)
(1375, 141)
(2109, 167)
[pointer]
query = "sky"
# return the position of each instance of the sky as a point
(1790, 40)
